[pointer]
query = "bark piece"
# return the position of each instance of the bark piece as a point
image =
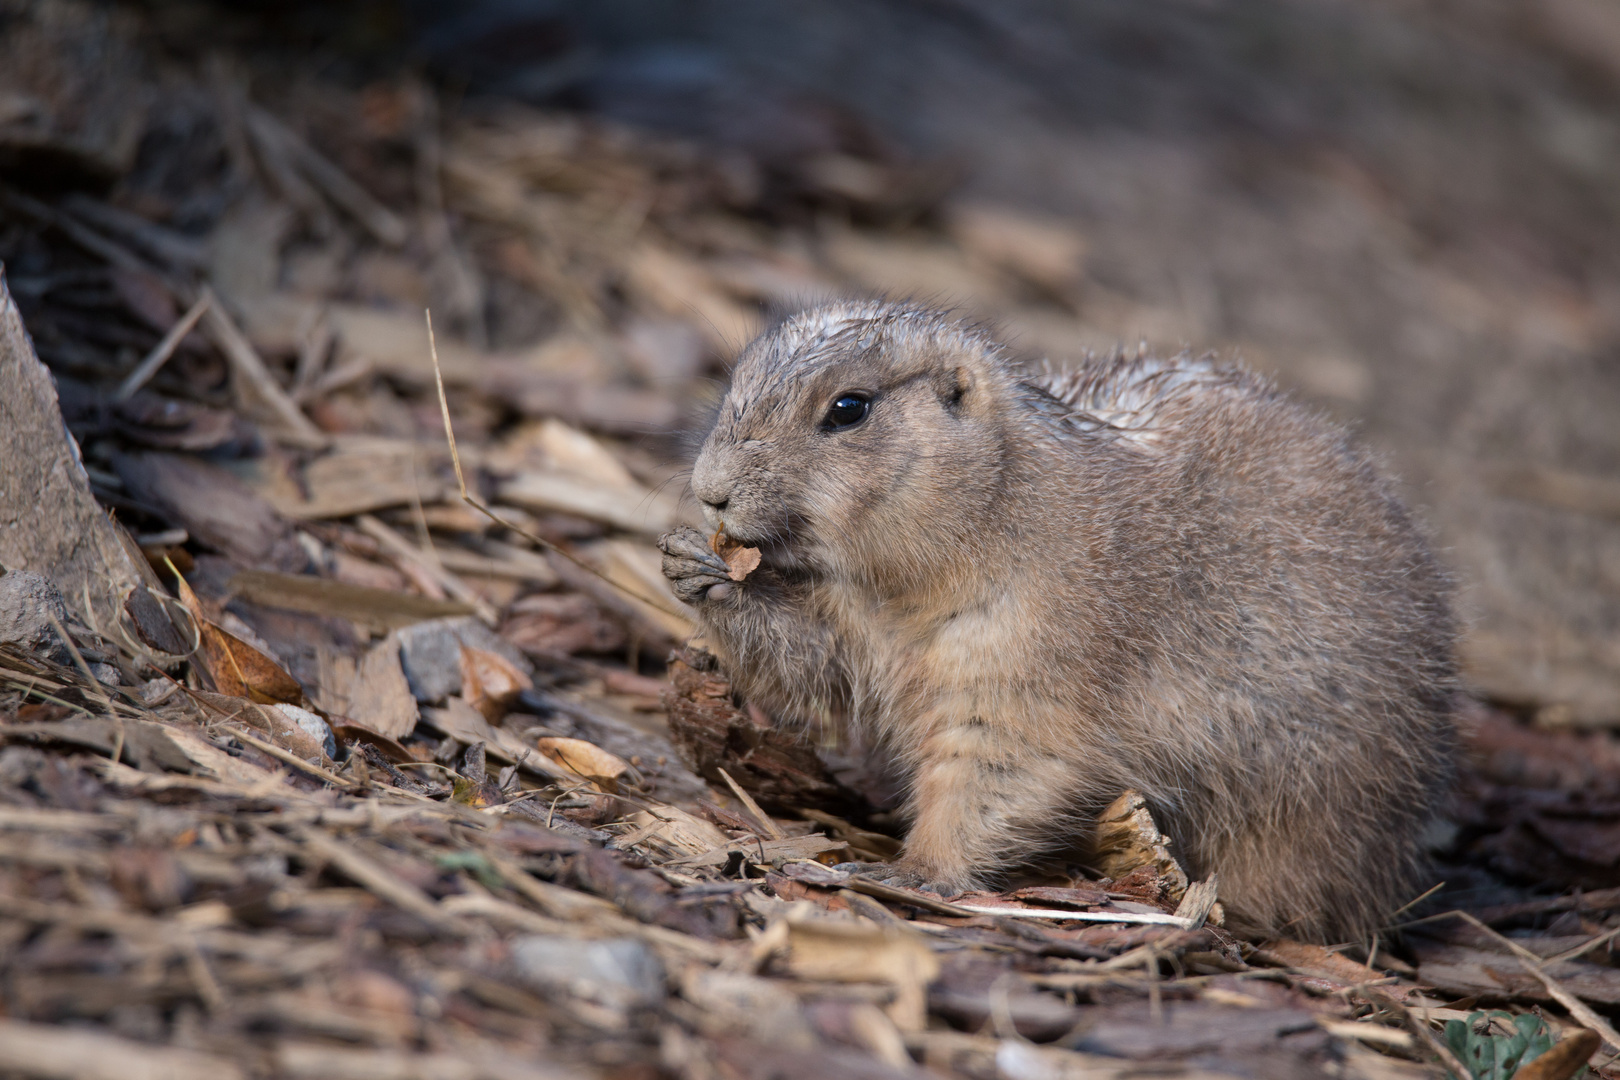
(815, 947)
(360, 475)
(775, 767)
(139, 743)
(1564, 1059)
(1129, 839)
(619, 974)
(376, 609)
(563, 623)
(213, 506)
(71, 78)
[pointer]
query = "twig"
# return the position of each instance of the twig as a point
(336, 378)
(154, 240)
(29, 691)
(333, 182)
(87, 238)
(290, 758)
(1377, 1034)
(424, 535)
(275, 159)
(877, 890)
(1150, 967)
(477, 504)
(747, 800)
(1145, 918)
(251, 375)
(1596, 900)
(45, 1050)
(1001, 1015)
(208, 988)
(1415, 901)
(78, 660)
(314, 344)
(1582, 950)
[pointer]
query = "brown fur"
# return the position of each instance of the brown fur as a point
(1044, 589)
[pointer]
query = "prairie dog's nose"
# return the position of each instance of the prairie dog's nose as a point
(710, 482)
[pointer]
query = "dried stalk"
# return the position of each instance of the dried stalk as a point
(161, 353)
(479, 505)
(1578, 1009)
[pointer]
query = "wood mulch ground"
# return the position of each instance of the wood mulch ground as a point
(352, 780)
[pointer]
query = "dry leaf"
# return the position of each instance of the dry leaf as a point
(380, 695)
(350, 732)
(236, 668)
(747, 1004)
(586, 761)
(362, 474)
(468, 793)
(631, 509)
(378, 609)
(212, 761)
(490, 682)
(740, 560)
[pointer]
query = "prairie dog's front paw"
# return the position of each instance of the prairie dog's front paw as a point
(695, 572)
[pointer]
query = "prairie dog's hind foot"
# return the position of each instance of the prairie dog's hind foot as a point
(902, 875)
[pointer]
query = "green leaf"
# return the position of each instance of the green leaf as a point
(1491, 1055)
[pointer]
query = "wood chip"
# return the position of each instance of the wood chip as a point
(58, 1053)
(378, 609)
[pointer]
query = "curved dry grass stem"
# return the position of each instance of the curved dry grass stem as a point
(478, 504)
(1579, 1011)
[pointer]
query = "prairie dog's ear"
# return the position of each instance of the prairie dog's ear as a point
(955, 386)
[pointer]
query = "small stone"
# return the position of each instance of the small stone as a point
(27, 602)
(312, 725)
(155, 692)
(617, 973)
(430, 653)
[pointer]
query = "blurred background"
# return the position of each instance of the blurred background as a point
(1406, 210)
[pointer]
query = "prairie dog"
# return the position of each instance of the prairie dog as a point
(1041, 589)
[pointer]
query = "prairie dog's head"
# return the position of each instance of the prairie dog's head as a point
(857, 439)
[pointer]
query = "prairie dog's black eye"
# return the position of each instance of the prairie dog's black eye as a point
(847, 411)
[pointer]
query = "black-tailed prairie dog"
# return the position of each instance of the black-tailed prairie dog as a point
(1040, 589)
